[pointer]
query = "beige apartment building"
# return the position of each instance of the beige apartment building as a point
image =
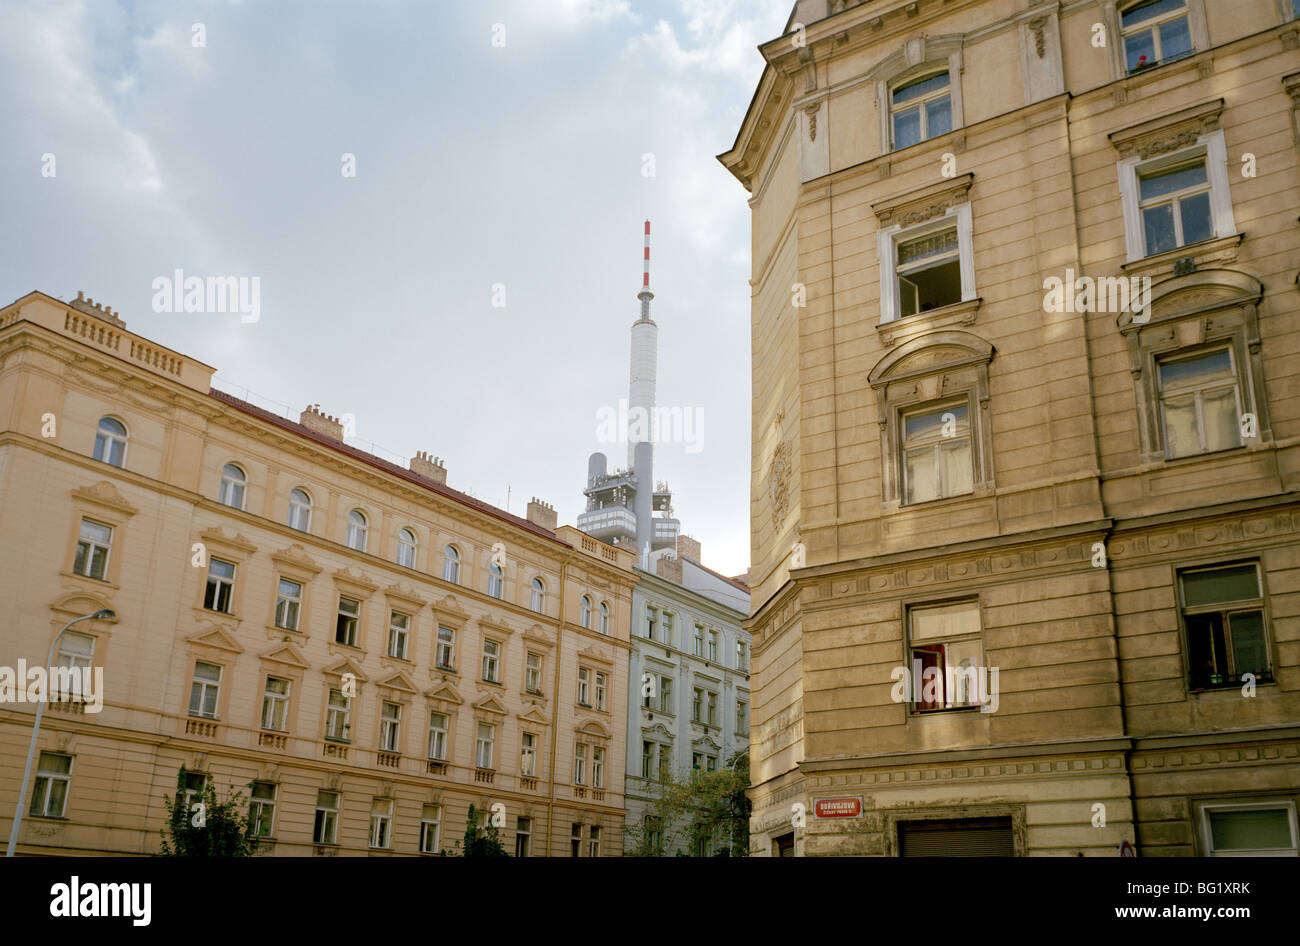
(1026, 536)
(361, 650)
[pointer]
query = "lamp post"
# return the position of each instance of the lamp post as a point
(103, 615)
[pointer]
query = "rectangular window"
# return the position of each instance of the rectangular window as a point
(1223, 614)
(666, 629)
(1200, 403)
(580, 764)
(381, 822)
(523, 836)
(713, 646)
(261, 809)
(288, 604)
(399, 626)
(1263, 829)
(275, 704)
(221, 586)
(713, 709)
(1175, 206)
(936, 452)
(390, 722)
(76, 651)
(528, 760)
(446, 648)
(710, 763)
(92, 549)
(483, 748)
(593, 841)
(697, 760)
(584, 686)
(575, 840)
(697, 705)
(742, 718)
(665, 694)
(190, 789)
(665, 760)
(929, 272)
(491, 656)
(946, 656)
(921, 109)
(205, 689)
(742, 655)
(1155, 32)
(651, 622)
(430, 824)
(600, 690)
(325, 829)
(438, 736)
(647, 760)
(338, 716)
(533, 673)
(345, 629)
(597, 767)
(53, 778)
(698, 641)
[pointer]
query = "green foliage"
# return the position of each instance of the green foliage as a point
(218, 829)
(687, 814)
(484, 842)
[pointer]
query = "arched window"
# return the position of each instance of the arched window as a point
(604, 618)
(110, 441)
(496, 580)
(233, 481)
(406, 548)
(538, 599)
(451, 565)
(586, 612)
(300, 510)
(920, 109)
(358, 530)
(1155, 32)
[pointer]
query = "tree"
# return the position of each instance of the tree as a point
(692, 813)
(206, 827)
(482, 843)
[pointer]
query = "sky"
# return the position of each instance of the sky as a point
(468, 289)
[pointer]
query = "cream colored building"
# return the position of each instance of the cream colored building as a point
(365, 650)
(957, 466)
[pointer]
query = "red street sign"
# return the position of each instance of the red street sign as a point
(838, 807)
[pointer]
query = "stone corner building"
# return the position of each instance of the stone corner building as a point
(1076, 517)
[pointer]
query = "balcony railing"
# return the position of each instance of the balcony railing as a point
(272, 740)
(334, 750)
(485, 776)
(201, 727)
(389, 760)
(527, 783)
(437, 767)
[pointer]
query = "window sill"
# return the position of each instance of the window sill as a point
(272, 632)
(98, 581)
(441, 669)
(493, 683)
(1233, 687)
(208, 614)
(1205, 253)
(911, 326)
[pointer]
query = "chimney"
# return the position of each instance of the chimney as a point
(688, 548)
(542, 514)
(320, 423)
(670, 568)
(433, 469)
(97, 309)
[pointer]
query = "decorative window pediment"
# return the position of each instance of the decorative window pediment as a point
(343, 666)
(105, 495)
(490, 704)
(449, 612)
(1168, 133)
(536, 635)
(533, 714)
(406, 595)
(399, 682)
(235, 546)
(594, 729)
(490, 622)
(443, 692)
(295, 558)
(596, 655)
(355, 583)
(658, 733)
(217, 638)
(286, 655)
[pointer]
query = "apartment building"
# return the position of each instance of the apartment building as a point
(361, 650)
(1026, 538)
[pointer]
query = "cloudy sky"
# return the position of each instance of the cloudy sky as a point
(497, 144)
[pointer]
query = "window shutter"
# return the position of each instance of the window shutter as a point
(974, 837)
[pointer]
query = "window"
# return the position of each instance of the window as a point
(491, 658)
(92, 549)
(651, 620)
(523, 836)
(390, 722)
(191, 787)
(713, 646)
(261, 810)
(358, 530)
(483, 746)
(712, 708)
(920, 109)
(667, 628)
(233, 482)
(299, 510)
(742, 718)
(647, 759)
(338, 716)
(275, 704)
(53, 778)
(925, 253)
(219, 594)
(406, 548)
(205, 689)
(936, 452)
(496, 580)
(528, 755)
(381, 822)
(1175, 205)
(600, 690)
(945, 656)
(710, 763)
(1200, 404)
(76, 650)
(665, 760)
(742, 655)
(580, 764)
(597, 767)
(584, 686)
(653, 830)
(697, 705)
(110, 442)
(451, 565)
(585, 612)
(288, 603)
(665, 694)
(345, 627)
(438, 736)
(575, 840)
(1223, 616)
(533, 673)
(325, 829)
(1155, 32)
(604, 618)
(399, 626)
(593, 841)
(697, 761)
(1261, 829)
(446, 648)
(537, 600)
(1295, 9)
(698, 640)
(430, 823)
(928, 270)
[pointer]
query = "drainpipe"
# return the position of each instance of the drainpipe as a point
(555, 693)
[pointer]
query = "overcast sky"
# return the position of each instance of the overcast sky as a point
(476, 164)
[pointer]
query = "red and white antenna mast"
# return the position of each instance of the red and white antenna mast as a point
(645, 295)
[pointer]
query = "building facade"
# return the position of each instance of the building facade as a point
(1026, 437)
(689, 704)
(359, 649)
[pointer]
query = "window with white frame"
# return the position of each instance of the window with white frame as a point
(390, 723)
(491, 661)
(597, 767)
(326, 824)
(300, 510)
(96, 539)
(76, 651)
(584, 614)
(537, 600)
(601, 686)
(528, 755)
(742, 718)
(399, 629)
(647, 759)
(406, 548)
(438, 736)
(1250, 829)
(110, 442)
(584, 686)
(451, 564)
(345, 626)
(446, 658)
(496, 580)
(288, 604)
(712, 708)
(358, 530)
(593, 841)
(666, 695)
(1200, 402)
(430, 827)
(651, 620)
(1175, 205)
(710, 763)
(604, 618)
(338, 716)
(927, 265)
(580, 764)
(575, 840)
(523, 836)
(945, 647)
(261, 810)
(381, 822)
(697, 641)
(219, 593)
(936, 452)
(920, 108)
(483, 745)
(713, 646)
(1155, 32)
(190, 786)
(275, 704)
(533, 672)
(1223, 618)
(233, 482)
(697, 705)
(742, 655)
(53, 778)
(205, 689)
(665, 759)
(666, 628)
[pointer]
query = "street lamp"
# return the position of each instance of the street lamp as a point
(102, 615)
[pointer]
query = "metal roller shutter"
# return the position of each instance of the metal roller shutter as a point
(971, 837)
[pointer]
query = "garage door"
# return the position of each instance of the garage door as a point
(970, 837)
